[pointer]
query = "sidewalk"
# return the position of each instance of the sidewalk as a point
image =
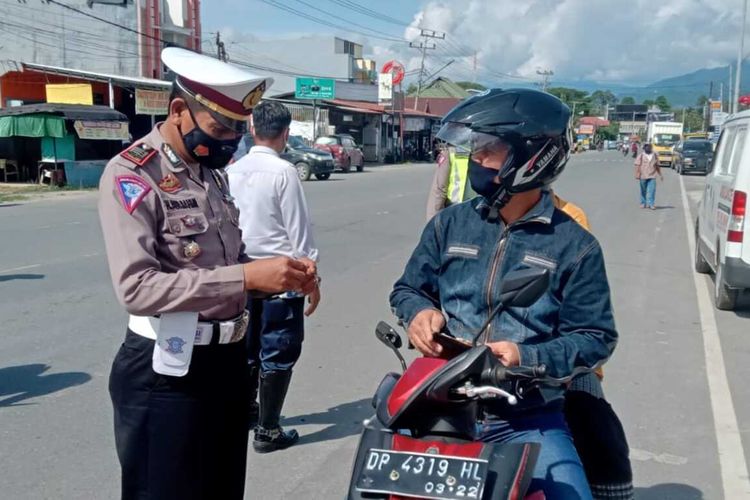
(10, 192)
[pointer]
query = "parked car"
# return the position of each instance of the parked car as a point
(694, 155)
(346, 153)
(308, 161)
(721, 224)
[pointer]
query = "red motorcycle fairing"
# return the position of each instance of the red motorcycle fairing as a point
(510, 465)
(412, 381)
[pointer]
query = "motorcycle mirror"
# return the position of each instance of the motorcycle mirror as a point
(524, 287)
(388, 336)
(519, 289)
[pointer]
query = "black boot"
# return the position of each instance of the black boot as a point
(254, 414)
(269, 436)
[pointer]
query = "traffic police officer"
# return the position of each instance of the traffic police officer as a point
(179, 383)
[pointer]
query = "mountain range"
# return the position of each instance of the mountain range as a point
(680, 91)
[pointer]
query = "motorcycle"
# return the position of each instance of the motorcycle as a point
(422, 441)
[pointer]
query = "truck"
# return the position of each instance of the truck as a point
(663, 136)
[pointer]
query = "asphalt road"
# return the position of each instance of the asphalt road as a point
(61, 326)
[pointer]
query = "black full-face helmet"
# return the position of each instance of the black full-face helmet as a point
(533, 126)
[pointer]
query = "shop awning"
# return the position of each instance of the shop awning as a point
(48, 119)
(32, 125)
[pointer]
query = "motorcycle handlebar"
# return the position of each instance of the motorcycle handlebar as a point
(534, 374)
(500, 373)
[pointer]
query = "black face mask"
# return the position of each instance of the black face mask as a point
(482, 180)
(209, 152)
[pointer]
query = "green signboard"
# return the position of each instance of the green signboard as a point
(315, 88)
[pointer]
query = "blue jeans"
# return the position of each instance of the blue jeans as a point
(275, 333)
(648, 192)
(558, 472)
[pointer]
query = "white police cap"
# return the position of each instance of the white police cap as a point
(223, 88)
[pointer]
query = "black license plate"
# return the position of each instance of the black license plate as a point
(422, 475)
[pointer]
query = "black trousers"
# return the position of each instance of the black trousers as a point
(181, 438)
(600, 440)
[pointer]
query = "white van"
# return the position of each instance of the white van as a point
(722, 230)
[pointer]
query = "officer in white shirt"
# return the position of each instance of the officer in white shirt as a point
(275, 222)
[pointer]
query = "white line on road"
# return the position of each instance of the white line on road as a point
(734, 473)
(50, 262)
(14, 269)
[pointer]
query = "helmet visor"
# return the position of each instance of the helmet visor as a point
(467, 141)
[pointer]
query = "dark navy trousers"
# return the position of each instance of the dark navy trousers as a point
(275, 332)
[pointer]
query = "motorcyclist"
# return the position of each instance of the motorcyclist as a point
(519, 142)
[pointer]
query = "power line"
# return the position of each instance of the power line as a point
(318, 20)
(107, 21)
(335, 16)
(369, 12)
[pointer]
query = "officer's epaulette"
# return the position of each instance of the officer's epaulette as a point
(139, 153)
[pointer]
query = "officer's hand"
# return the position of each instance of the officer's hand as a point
(314, 300)
(422, 330)
(312, 266)
(275, 275)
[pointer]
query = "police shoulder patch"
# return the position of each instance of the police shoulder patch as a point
(139, 153)
(132, 190)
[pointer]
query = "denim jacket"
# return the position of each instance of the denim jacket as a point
(459, 264)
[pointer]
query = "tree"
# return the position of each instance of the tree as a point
(609, 133)
(471, 86)
(648, 102)
(578, 99)
(627, 100)
(702, 101)
(602, 99)
(411, 89)
(663, 103)
(693, 118)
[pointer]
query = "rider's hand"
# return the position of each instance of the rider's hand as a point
(506, 352)
(422, 329)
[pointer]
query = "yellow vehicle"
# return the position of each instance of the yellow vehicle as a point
(664, 136)
(695, 135)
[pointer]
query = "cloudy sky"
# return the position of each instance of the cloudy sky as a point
(633, 42)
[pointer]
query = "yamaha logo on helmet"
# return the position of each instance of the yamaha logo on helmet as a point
(537, 164)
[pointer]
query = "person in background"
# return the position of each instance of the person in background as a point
(275, 222)
(646, 170)
(437, 197)
(634, 149)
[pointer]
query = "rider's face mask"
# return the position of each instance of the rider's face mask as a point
(488, 155)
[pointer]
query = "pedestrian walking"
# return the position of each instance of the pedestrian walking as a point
(634, 149)
(179, 383)
(275, 222)
(646, 171)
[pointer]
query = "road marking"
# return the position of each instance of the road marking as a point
(662, 458)
(49, 262)
(734, 473)
(22, 268)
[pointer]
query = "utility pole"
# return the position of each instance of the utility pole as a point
(545, 74)
(221, 52)
(730, 108)
(738, 76)
(475, 66)
(424, 46)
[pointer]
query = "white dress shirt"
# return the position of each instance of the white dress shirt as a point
(273, 212)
